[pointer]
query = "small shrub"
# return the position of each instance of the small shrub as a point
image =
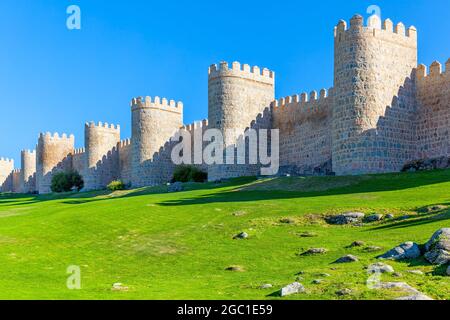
(187, 173)
(116, 185)
(67, 181)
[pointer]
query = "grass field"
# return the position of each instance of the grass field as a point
(177, 245)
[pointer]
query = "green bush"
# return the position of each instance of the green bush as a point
(187, 173)
(116, 185)
(67, 181)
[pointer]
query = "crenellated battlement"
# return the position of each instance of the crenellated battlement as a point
(196, 125)
(124, 143)
(102, 125)
(28, 152)
(7, 160)
(436, 70)
(223, 69)
(79, 151)
(303, 101)
(16, 171)
(385, 30)
(157, 103)
(48, 136)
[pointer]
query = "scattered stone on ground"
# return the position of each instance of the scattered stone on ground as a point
(175, 187)
(314, 251)
(407, 250)
(346, 259)
(356, 244)
(299, 278)
(380, 267)
(418, 272)
(432, 209)
(300, 273)
(438, 247)
(397, 275)
(344, 292)
(374, 218)
(325, 275)
(266, 286)
(413, 294)
(235, 269)
(242, 235)
(317, 281)
(307, 234)
(287, 221)
(292, 288)
(239, 213)
(346, 218)
(119, 287)
(372, 249)
(390, 216)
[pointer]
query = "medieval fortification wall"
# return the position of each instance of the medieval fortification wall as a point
(382, 111)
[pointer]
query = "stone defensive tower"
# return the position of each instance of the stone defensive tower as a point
(53, 154)
(371, 65)
(154, 122)
(6, 167)
(28, 172)
(99, 141)
(236, 96)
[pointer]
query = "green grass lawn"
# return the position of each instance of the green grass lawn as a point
(177, 245)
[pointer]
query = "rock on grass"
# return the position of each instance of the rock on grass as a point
(346, 218)
(314, 251)
(407, 250)
(380, 267)
(344, 292)
(293, 288)
(235, 269)
(438, 247)
(347, 259)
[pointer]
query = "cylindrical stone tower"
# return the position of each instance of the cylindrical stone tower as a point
(52, 155)
(101, 157)
(373, 67)
(28, 172)
(6, 169)
(236, 96)
(154, 122)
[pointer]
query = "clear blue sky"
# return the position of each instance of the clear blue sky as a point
(53, 79)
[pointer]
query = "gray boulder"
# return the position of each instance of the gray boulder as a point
(292, 288)
(374, 218)
(175, 187)
(380, 267)
(314, 251)
(242, 235)
(346, 218)
(438, 247)
(407, 250)
(347, 259)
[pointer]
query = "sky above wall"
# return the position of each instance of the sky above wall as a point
(55, 79)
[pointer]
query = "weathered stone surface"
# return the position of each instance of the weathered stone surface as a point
(380, 267)
(374, 218)
(438, 247)
(347, 259)
(346, 218)
(314, 251)
(242, 235)
(293, 288)
(357, 244)
(407, 250)
(412, 293)
(344, 292)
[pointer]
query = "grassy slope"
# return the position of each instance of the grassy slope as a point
(177, 245)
